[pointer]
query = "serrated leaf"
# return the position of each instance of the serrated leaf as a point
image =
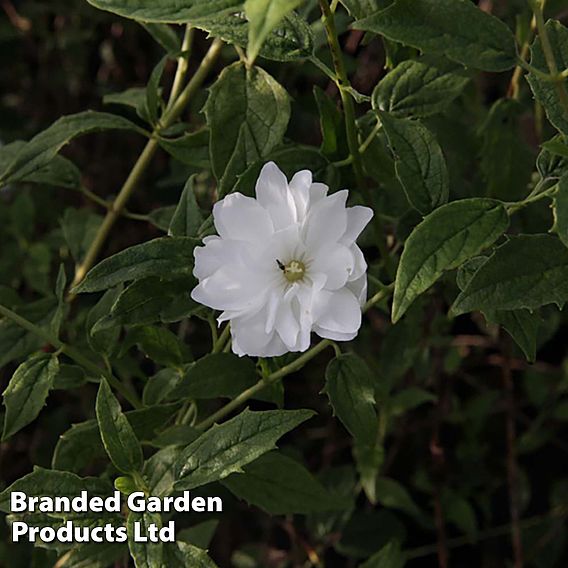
(103, 340)
(151, 300)
(216, 375)
(145, 554)
(191, 148)
(43, 147)
(81, 444)
(280, 485)
(560, 204)
(225, 449)
(419, 88)
(166, 255)
(349, 386)
(119, 439)
(454, 28)
(182, 554)
(528, 271)
(263, 17)
(547, 92)
(27, 392)
(419, 162)
(187, 218)
(521, 325)
(167, 11)
(446, 238)
(52, 483)
(247, 114)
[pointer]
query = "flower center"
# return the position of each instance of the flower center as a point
(294, 270)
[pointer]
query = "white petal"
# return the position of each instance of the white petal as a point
(239, 217)
(216, 253)
(359, 288)
(274, 196)
(360, 266)
(336, 262)
(300, 190)
(358, 218)
(337, 312)
(326, 222)
(317, 192)
(250, 338)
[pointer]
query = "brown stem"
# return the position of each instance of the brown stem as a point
(512, 470)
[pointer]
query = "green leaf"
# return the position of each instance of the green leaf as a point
(82, 444)
(263, 17)
(216, 375)
(43, 147)
(521, 325)
(280, 485)
(528, 271)
(145, 554)
(191, 148)
(187, 218)
(164, 35)
(290, 40)
(52, 483)
(79, 228)
(247, 113)
(546, 92)
(158, 343)
(225, 449)
(135, 98)
(507, 161)
(331, 123)
(151, 300)
(408, 399)
(445, 239)
(27, 391)
(419, 162)
(103, 340)
(392, 495)
(93, 555)
(119, 439)
(167, 255)
(167, 11)
(59, 171)
(153, 98)
(199, 535)
(419, 88)
(349, 386)
(454, 28)
(361, 8)
(390, 556)
(560, 204)
(15, 341)
(182, 554)
(556, 146)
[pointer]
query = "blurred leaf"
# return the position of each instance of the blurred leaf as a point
(392, 495)
(164, 35)
(182, 554)
(454, 28)
(119, 439)
(27, 392)
(528, 271)
(247, 113)
(419, 88)
(331, 124)
(103, 340)
(187, 218)
(280, 485)
(79, 229)
(419, 162)
(546, 92)
(158, 343)
(408, 399)
(445, 239)
(390, 556)
(153, 96)
(167, 255)
(199, 535)
(225, 449)
(560, 204)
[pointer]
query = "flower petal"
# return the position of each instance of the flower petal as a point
(274, 196)
(250, 338)
(336, 262)
(326, 222)
(242, 218)
(358, 218)
(338, 314)
(300, 190)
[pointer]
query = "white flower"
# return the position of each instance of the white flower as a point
(284, 264)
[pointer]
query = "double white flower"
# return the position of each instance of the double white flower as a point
(284, 264)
